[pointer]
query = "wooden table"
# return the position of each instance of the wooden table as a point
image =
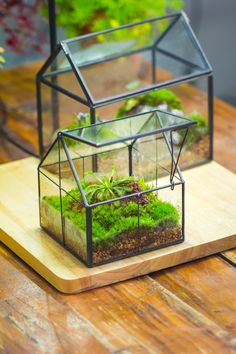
(185, 309)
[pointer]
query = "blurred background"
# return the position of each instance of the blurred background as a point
(213, 22)
(24, 45)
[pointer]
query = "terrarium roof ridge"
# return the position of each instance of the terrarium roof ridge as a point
(42, 75)
(181, 125)
(49, 60)
(78, 74)
(176, 16)
(200, 67)
(47, 153)
(117, 98)
(165, 84)
(73, 169)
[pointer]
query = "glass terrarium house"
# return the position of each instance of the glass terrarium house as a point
(114, 189)
(156, 63)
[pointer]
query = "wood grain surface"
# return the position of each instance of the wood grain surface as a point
(229, 256)
(210, 228)
(176, 311)
(185, 309)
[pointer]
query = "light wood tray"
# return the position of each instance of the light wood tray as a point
(210, 228)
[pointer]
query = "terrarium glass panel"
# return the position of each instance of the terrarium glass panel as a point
(136, 57)
(184, 99)
(126, 70)
(49, 199)
(114, 186)
(126, 129)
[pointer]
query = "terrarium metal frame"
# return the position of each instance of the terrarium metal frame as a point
(63, 135)
(92, 104)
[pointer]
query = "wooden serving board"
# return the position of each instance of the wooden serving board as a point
(210, 228)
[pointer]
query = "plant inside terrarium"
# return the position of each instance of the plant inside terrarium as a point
(136, 221)
(106, 188)
(196, 146)
(165, 100)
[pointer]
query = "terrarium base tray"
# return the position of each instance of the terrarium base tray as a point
(210, 228)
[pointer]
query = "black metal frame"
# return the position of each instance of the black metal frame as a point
(90, 102)
(130, 139)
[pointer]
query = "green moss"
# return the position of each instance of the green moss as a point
(152, 99)
(196, 131)
(162, 211)
(54, 201)
(109, 220)
(162, 96)
(78, 218)
(201, 121)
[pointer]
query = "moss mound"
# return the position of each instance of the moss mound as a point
(152, 99)
(110, 220)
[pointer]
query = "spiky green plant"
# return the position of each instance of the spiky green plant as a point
(108, 187)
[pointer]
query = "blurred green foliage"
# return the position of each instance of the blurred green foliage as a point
(152, 99)
(78, 17)
(2, 59)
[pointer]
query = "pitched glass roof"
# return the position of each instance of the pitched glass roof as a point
(130, 59)
(128, 128)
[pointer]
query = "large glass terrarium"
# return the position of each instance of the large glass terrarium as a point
(114, 189)
(138, 67)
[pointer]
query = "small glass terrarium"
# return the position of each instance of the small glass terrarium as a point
(135, 68)
(114, 189)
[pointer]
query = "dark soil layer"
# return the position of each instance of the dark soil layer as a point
(135, 241)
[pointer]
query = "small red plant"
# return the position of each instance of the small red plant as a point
(142, 199)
